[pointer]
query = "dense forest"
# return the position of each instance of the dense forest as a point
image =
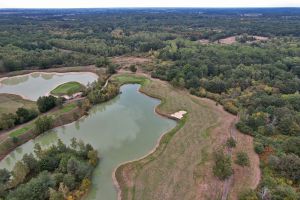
(59, 172)
(256, 79)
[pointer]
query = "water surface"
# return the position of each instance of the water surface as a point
(122, 129)
(34, 85)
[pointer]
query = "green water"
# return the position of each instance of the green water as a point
(122, 129)
(32, 86)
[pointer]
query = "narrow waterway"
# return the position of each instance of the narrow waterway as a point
(122, 129)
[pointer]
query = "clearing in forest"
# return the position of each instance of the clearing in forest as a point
(181, 166)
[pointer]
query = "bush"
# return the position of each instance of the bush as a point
(43, 124)
(288, 166)
(25, 115)
(231, 142)
(259, 148)
(222, 168)
(292, 145)
(241, 126)
(111, 69)
(248, 195)
(230, 107)
(133, 68)
(69, 181)
(242, 159)
(46, 103)
(284, 192)
(102, 62)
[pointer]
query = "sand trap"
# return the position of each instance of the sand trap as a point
(179, 114)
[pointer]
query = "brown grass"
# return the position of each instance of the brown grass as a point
(9, 103)
(126, 61)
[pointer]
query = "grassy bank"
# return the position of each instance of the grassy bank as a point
(18, 136)
(9, 103)
(68, 88)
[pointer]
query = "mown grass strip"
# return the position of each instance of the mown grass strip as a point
(68, 88)
(21, 131)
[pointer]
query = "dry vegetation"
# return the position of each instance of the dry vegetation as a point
(126, 61)
(9, 103)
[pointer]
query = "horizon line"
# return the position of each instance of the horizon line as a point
(152, 7)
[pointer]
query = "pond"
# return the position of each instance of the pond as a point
(32, 86)
(122, 129)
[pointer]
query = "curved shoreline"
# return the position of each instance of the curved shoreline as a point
(47, 73)
(156, 111)
(120, 181)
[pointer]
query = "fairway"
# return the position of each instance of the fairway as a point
(68, 88)
(181, 166)
(9, 103)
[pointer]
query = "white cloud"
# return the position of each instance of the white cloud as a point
(148, 3)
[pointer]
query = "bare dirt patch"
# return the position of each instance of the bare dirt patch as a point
(260, 38)
(203, 41)
(126, 61)
(228, 40)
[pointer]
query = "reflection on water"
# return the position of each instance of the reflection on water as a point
(38, 84)
(14, 80)
(122, 129)
(48, 76)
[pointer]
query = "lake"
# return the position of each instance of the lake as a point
(32, 86)
(122, 129)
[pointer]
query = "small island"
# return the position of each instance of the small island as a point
(58, 172)
(68, 89)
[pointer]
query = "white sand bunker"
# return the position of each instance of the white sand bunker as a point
(179, 114)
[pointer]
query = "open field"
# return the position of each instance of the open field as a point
(126, 61)
(9, 103)
(68, 88)
(181, 166)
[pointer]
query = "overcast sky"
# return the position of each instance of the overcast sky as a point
(143, 3)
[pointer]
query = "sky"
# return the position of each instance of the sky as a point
(143, 3)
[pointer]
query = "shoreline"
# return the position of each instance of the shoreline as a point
(159, 113)
(48, 73)
(118, 174)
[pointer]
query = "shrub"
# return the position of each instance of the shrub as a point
(289, 167)
(25, 115)
(133, 68)
(222, 168)
(43, 124)
(259, 148)
(111, 69)
(241, 126)
(292, 145)
(248, 195)
(46, 103)
(229, 106)
(231, 142)
(102, 61)
(242, 159)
